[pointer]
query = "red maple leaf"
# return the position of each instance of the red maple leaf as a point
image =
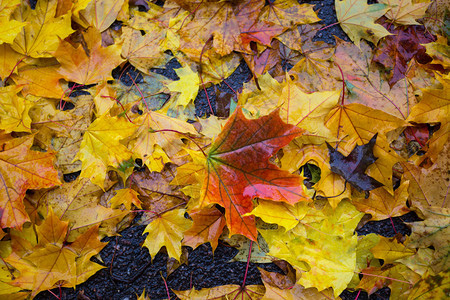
(239, 169)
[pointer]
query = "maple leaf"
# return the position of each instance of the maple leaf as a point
(296, 292)
(233, 26)
(14, 110)
(382, 205)
(101, 148)
(40, 81)
(126, 197)
(305, 110)
(398, 277)
(390, 250)
(232, 291)
(41, 35)
(315, 68)
(431, 286)
(357, 20)
(353, 166)
(238, 169)
(288, 13)
(398, 49)
(158, 131)
(368, 86)
(22, 169)
(9, 28)
(8, 60)
(428, 187)
(281, 213)
(434, 231)
(207, 227)
(79, 203)
(167, 230)
(187, 86)
(331, 231)
(143, 51)
(155, 192)
(84, 68)
(45, 258)
(404, 12)
(434, 107)
(439, 51)
(68, 144)
(99, 13)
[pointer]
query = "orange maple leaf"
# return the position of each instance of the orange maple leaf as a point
(21, 169)
(239, 170)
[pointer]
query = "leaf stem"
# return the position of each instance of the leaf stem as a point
(393, 226)
(70, 90)
(12, 71)
(191, 13)
(118, 102)
(165, 284)
(357, 296)
(343, 83)
(328, 26)
(248, 262)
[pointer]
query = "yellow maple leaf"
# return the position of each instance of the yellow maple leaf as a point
(389, 249)
(158, 130)
(186, 86)
(356, 124)
(101, 147)
(40, 81)
(44, 258)
(167, 230)
(330, 184)
(326, 243)
(84, 68)
(9, 28)
(357, 20)
(79, 203)
(404, 12)
(143, 51)
(125, 197)
(280, 213)
(99, 13)
(42, 34)
(288, 13)
(14, 110)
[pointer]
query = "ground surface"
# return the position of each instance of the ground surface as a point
(128, 266)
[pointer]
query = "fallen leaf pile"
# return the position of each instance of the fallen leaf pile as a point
(321, 140)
